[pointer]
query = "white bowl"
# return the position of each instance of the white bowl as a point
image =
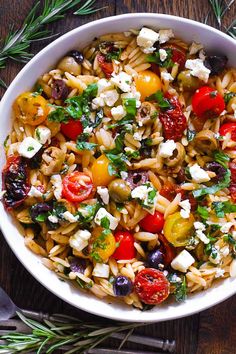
(189, 30)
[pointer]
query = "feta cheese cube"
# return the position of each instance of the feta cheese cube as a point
(34, 192)
(137, 136)
(69, 217)
(103, 85)
(42, 134)
(166, 76)
(103, 192)
(198, 69)
(57, 186)
(199, 228)
(185, 208)
(198, 174)
(29, 147)
(165, 35)
(101, 270)
(102, 213)
(110, 97)
(167, 148)
(53, 219)
(183, 261)
(98, 102)
(163, 54)
(88, 130)
(146, 38)
(80, 240)
(123, 81)
(118, 112)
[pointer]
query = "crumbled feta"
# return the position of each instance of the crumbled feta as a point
(110, 97)
(226, 227)
(198, 174)
(123, 81)
(118, 112)
(88, 130)
(101, 270)
(148, 200)
(166, 76)
(219, 273)
(34, 192)
(103, 192)
(29, 147)
(69, 217)
(123, 174)
(53, 219)
(183, 261)
(146, 38)
(140, 192)
(102, 213)
(186, 208)
(42, 134)
(79, 240)
(103, 85)
(199, 228)
(198, 69)
(137, 136)
(98, 102)
(57, 186)
(165, 35)
(163, 54)
(194, 48)
(167, 148)
(217, 256)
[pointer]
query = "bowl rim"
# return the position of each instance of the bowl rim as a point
(190, 311)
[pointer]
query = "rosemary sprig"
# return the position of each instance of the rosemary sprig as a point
(68, 334)
(220, 7)
(87, 8)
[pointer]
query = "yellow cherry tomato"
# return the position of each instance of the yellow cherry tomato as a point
(30, 108)
(178, 230)
(147, 83)
(102, 244)
(101, 176)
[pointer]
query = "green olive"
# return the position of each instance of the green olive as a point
(187, 81)
(119, 190)
(68, 64)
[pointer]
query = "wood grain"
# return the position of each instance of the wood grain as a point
(210, 332)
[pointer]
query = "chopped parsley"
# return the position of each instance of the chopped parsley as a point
(229, 238)
(211, 251)
(163, 103)
(105, 222)
(84, 145)
(99, 243)
(114, 54)
(38, 91)
(202, 212)
(222, 208)
(86, 213)
(130, 107)
(155, 58)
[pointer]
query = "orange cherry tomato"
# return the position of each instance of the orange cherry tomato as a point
(102, 244)
(72, 129)
(77, 186)
(125, 249)
(207, 103)
(147, 83)
(30, 108)
(101, 176)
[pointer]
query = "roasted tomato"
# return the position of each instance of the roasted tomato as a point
(147, 83)
(207, 103)
(77, 186)
(152, 223)
(72, 129)
(173, 120)
(170, 190)
(107, 67)
(101, 176)
(151, 286)
(102, 244)
(178, 54)
(125, 248)
(228, 128)
(15, 182)
(167, 249)
(177, 230)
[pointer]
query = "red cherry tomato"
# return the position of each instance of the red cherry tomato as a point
(126, 249)
(151, 286)
(107, 67)
(77, 186)
(178, 54)
(152, 223)
(173, 120)
(167, 250)
(207, 103)
(232, 190)
(72, 129)
(228, 128)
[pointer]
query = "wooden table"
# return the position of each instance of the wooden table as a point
(209, 332)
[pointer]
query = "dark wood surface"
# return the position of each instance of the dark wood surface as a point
(209, 332)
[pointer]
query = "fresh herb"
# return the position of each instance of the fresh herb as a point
(133, 154)
(130, 107)
(191, 134)
(229, 238)
(228, 96)
(6, 141)
(84, 145)
(119, 142)
(83, 284)
(58, 115)
(105, 222)
(86, 213)
(41, 217)
(221, 158)
(155, 58)
(224, 183)
(123, 122)
(222, 208)
(87, 8)
(118, 163)
(113, 55)
(211, 251)
(3, 84)
(180, 287)
(38, 91)
(203, 212)
(58, 210)
(163, 103)
(100, 243)
(220, 7)
(30, 148)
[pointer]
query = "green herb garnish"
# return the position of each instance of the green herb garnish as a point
(202, 212)
(215, 188)
(180, 287)
(222, 208)
(228, 96)
(163, 103)
(155, 58)
(221, 158)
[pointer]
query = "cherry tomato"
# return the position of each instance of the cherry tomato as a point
(167, 250)
(102, 244)
(173, 120)
(232, 167)
(101, 176)
(170, 190)
(107, 67)
(207, 103)
(72, 129)
(152, 223)
(177, 230)
(126, 249)
(151, 286)
(147, 83)
(31, 109)
(228, 128)
(232, 190)
(178, 54)
(77, 186)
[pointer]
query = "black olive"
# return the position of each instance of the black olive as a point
(155, 259)
(122, 286)
(78, 56)
(218, 169)
(36, 160)
(59, 90)
(40, 209)
(136, 179)
(216, 63)
(77, 264)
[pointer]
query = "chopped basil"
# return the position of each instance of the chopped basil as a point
(58, 115)
(180, 287)
(58, 210)
(224, 183)
(117, 163)
(130, 107)
(155, 58)
(191, 134)
(221, 158)
(119, 142)
(228, 96)
(222, 208)
(86, 213)
(133, 154)
(202, 212)
(84, 145)
(99, 243)
(211, 251)
(123, 121)
(159, 98)
(42, 217)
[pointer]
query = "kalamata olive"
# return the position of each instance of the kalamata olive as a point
(119, 190)
(216, 63)
(122, 286)
(155, 259)
(187, 81)
(77, 264)
(218, 169)
(36, 160)
(136, 179)
(41, 209)
(78, 56)
(59, 90)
